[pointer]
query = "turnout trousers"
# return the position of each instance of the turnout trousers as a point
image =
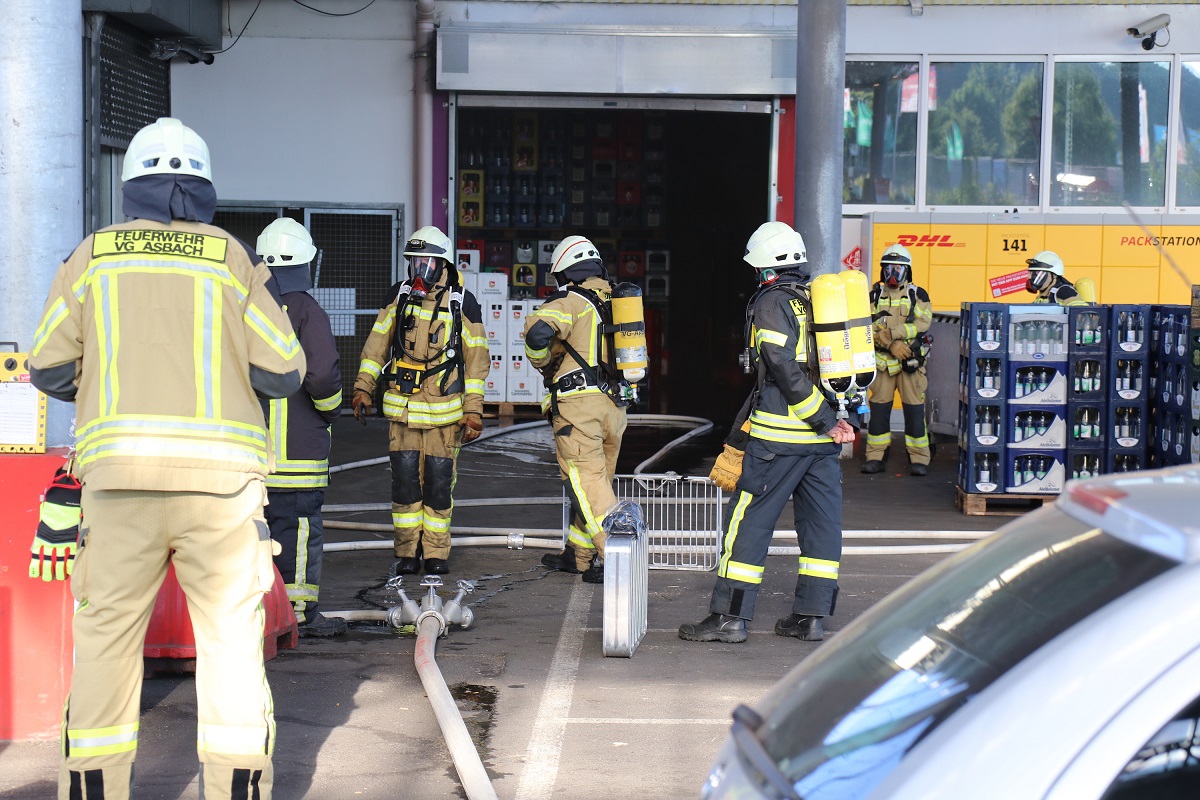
(912, 386)
(423, 474)
(295, 520)
(587, 440)
(812, 480)
(222, 558)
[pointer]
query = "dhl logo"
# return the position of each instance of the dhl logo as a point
(928, 240)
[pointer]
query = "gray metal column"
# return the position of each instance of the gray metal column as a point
(41, 164)
(820, 83)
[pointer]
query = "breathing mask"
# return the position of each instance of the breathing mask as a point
(424, 271)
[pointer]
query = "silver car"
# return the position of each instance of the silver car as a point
(1058, 658)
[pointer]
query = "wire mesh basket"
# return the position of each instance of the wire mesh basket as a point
(683, 518)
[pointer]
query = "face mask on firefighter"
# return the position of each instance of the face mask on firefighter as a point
(424, 272)
(893, 274)
(1039, 280)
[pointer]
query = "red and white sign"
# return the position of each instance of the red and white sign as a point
(853, 259)
(1011, 283)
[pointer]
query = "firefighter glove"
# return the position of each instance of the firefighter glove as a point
(52, 555)
(727, 469)
(361, 403)
(900, 350)
(883, 335)
(472, 426)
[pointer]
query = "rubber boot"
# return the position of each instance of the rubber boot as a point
(563, 562)
(801, 626)
(715, 628)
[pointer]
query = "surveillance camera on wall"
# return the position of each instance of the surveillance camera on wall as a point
(1150, 26)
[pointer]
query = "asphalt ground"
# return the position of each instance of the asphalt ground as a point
(550, 715)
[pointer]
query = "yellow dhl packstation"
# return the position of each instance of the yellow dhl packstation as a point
(980, 257)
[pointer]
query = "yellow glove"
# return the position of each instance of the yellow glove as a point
(883, 335)
(900, 350)
(728, 469)
(362, 405)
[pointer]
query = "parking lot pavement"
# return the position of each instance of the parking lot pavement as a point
(551, 717)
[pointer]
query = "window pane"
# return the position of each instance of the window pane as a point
(1187, 193)
(1110, 133)
(879, 141)
(985, 129)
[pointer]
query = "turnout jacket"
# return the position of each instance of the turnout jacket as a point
(162, 334)
(1062, 294)
(426, 325)
(906, 312)
(791, 411)
(569, 317)
(299, 423)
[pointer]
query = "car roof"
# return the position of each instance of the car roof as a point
(1157, 510)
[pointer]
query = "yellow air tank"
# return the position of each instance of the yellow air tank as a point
(858, 323)
(1087, 289)
(629, 338)
(834, 353)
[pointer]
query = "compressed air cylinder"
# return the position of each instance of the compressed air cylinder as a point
(1087, 289)
(858, 325)
(629, 341)
(834, 354)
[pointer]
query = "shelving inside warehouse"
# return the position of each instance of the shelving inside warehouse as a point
(1048, 394)
(525, 179)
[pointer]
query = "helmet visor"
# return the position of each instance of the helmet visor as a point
(1040, 279)
(426, 269)
(893, 274)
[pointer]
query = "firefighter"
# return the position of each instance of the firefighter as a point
(569, 340)
(1047, 282)
(300, 426)
(162, 330)
(902, 315)
(429, 350)
(789, 451)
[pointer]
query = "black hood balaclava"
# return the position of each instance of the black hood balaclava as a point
(163, 198)
(578, 273)
(293, 279)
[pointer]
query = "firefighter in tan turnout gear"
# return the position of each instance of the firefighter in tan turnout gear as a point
(569, 339)
(902, 314)
(429, 349)
(162, 331)
(299, 426)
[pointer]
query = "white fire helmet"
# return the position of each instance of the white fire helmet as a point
(166, 147)
(775, 245)
(285, 243)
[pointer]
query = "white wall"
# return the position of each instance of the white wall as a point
(306, 108)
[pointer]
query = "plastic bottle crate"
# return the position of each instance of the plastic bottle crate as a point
(1037, 383)
(1088, 329)
(1129, 426)
(981, 470)
(982, 328)
(1088, 423)
(1173, 388)
(1085, 461)
(1129, 328)
(1124, 460)
(1170, 333)
(1128, 376)
(981, 423)
(1036, 427)
(1037, 335)
(1035, 471)
(1087, 376)
(981, 377)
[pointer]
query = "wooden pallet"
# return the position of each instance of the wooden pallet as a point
(512, 411)
(1007, 505)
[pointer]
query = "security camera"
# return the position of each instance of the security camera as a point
(1150, 26)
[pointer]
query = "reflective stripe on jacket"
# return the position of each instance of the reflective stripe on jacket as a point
(569, 317)
(908, 314)
(169, 331)
(425, 333)
(299, 424)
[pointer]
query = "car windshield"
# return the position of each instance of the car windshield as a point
(836, 727)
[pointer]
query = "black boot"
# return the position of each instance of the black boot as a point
(436, 566)
(320, 625)
(918, 470)
(715, 628)
(801, 626)
(406, 565)
(594, 573)
(873, 467)
(563, 562)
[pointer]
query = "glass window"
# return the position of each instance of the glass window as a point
(985, 129)
(839, 726)
(1187, 193)
(1168, 766)
(1109, 133)
(879, 142)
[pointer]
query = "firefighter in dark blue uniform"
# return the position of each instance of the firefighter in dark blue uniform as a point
(300, 428)
(791, 437)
